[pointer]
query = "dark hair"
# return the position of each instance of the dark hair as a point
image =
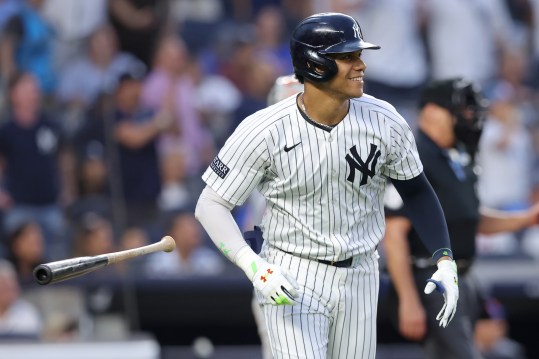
(300, 78)
(12, 237)
(17, 230)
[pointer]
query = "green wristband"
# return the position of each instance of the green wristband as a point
(442, 252)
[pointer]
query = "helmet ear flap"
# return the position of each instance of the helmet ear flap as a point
(318, 67)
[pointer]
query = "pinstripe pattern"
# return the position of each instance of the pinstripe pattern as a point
(313, 211)
(323, 202)
(337, 314)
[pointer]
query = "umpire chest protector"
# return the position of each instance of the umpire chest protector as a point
(458, 199)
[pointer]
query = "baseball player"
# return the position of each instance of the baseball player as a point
(321, 160)
(451, 115)
(284, 86)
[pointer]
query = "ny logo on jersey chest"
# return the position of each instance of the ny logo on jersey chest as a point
(365, 167)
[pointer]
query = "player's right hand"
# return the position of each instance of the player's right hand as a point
(445, 280)
(275, 284)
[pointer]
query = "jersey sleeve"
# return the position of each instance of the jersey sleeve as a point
(240, 164)
(403, 161)
(393, 204)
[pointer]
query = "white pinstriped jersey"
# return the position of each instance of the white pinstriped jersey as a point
(324, 188)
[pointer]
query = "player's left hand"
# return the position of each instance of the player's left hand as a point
(445, 280)
(275, 284)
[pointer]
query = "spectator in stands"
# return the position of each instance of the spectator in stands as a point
(8, 9)
(93, 74)
(95, 236)
(73, 23)
(175, 193)
(138, 23)
(191, 256)
(26, 46)
(36, 167)
(92, 183)
(170, 86)
(94, 152)
(26, 250)
(507, 154)
(236, 53)
(137, 131)
(198, 22)
(217, 98)
(465, 38)
(98, 71)
(270, 38)
(262, 75)
(18, 318)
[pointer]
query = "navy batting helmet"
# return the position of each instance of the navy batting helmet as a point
(319, 35)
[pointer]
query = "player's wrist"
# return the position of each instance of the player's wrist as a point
(442, 253)
(248, 261)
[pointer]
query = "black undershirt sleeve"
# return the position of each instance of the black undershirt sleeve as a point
(423, 208)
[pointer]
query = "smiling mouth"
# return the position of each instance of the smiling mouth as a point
(357, 79)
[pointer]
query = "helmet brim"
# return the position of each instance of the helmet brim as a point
(345, 47)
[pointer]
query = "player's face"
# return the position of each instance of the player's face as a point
(349, 79)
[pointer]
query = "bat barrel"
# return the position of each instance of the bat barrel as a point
(69, 268)
(66, 269)
(43, 274)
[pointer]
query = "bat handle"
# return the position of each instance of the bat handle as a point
(166, 244)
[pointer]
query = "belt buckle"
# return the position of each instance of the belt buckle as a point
(355, 261)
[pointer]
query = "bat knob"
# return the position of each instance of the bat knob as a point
(42, 274)
(169, 243)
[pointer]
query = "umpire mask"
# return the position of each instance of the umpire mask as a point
(470, 111)
(465, 101)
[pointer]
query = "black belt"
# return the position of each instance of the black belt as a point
(341, 264)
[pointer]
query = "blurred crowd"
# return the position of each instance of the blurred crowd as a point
(110, 110)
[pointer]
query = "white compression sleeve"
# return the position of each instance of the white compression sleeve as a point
(214, 213)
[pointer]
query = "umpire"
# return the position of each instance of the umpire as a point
(449, 126)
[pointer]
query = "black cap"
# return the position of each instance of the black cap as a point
(454, 95)
(444, 93)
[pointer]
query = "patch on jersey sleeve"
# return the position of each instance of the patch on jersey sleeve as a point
(219, 167)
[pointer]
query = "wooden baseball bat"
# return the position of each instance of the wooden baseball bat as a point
(57, 271)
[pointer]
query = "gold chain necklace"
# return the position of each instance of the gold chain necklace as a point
(328, 127)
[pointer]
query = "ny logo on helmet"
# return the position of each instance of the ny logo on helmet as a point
(357, 31)
(366, 168)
